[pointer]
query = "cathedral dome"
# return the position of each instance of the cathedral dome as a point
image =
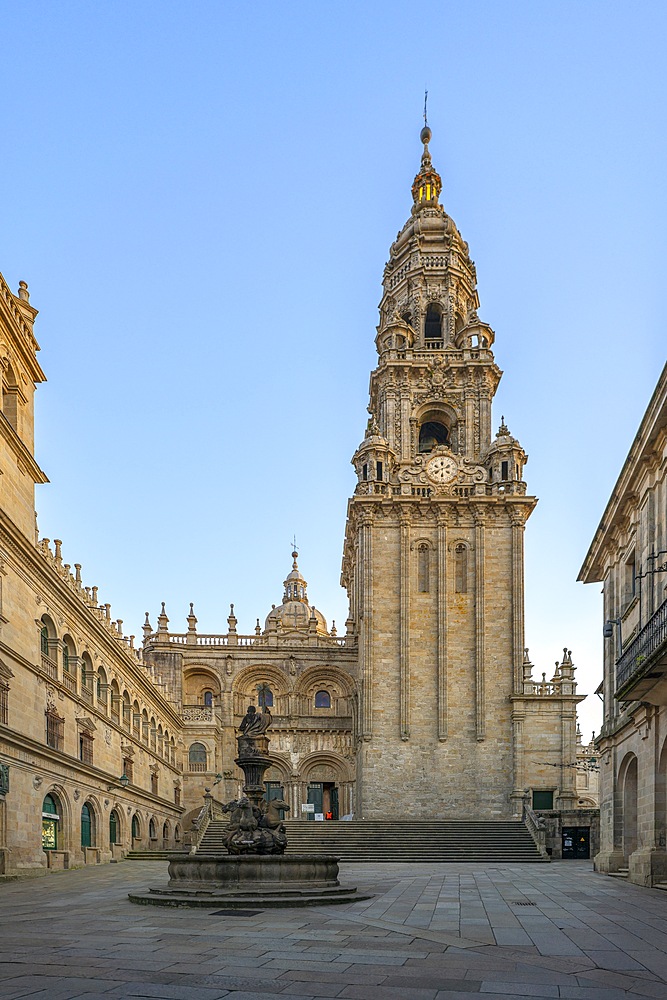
(295, 614)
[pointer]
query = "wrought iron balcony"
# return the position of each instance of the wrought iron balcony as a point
(641, 670)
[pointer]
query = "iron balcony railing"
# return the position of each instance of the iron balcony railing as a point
(640, 653)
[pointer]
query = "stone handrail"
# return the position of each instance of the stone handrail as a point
(211, 810)
(536, 828)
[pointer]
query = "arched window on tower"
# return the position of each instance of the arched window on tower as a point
(433, 323)
(432, 434)
(461, 569)
(423, 568)
(208, 698)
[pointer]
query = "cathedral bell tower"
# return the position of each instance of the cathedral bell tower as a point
(433, 556)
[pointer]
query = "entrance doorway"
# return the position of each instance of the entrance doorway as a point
(274, 790)
(86, 826)
(50, 822)
(576, 842)
(114, 828)
(324, 796)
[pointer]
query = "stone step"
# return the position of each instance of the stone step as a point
(396, 841)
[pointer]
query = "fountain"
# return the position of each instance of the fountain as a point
(255, 871)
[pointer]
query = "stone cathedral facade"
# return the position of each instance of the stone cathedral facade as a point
(427, 696)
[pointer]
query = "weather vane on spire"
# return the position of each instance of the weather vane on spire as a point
(425, 102)
(294, 544)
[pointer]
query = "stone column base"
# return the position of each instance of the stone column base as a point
(609, 861)
(648, 866)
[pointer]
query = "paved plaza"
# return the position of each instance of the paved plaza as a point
(430, 932)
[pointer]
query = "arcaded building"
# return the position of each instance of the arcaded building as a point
(628, 555)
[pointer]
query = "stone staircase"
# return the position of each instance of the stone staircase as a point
(414, 840)
(393, 840)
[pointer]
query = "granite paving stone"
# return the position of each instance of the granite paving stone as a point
(429, 932)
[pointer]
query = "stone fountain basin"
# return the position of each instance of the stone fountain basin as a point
(251, 880)
(306, 871)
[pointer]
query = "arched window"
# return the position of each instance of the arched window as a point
(102, 689)
(461, 569)
(136, 829)
(177, 834)
(322, 699)
(197, 757)
(432, 434)
(44, 640)
(86, 826)
(208, 698)
(165, 831)
(114, 827)
(423, 568)
(152, 830)
(264, 696)
(433, 323)
(50, 824)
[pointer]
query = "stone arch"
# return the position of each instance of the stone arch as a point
(87, 671)
(136, 826)
(166, 833)
(244, 688)
(48, 643)
(120, 830)
(198, 679)
(152, 828)
(325, 762)
(627, 785)
(281, 768)
(127, 710)
(661, 799)
(334, 777)
(64, 811)
(198, 756)
(339, 685)
(68, 654)
(103, 688)
(437, 424)
(95, 814)
(136, 719)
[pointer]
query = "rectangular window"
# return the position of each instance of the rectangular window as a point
(505, 470)
(128, 769)
(543, 800)
(177, 796)
(364, 473)
(630, 577)
(154, 784)
(4, 703)
(379, 471)
(86, 748)
(55, 731)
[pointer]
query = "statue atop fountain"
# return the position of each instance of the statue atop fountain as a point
(255, 825)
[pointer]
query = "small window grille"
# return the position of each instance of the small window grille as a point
(86, 748)
(55, 730)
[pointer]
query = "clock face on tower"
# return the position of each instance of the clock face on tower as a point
(442, 469)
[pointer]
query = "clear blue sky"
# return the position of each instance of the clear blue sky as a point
(202, 196)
